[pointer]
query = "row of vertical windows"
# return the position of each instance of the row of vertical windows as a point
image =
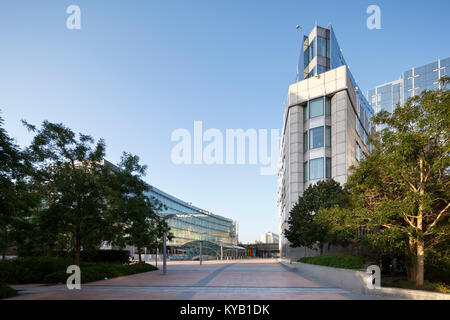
(314, 169)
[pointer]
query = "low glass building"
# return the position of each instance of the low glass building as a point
(191, 226)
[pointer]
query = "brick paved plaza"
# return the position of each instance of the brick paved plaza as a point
(234, 280)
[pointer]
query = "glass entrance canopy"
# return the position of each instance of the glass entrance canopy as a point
(212, 249)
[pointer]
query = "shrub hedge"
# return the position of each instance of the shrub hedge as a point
(30, 269)
(6, 292)
(53, 270)
(427, 286)
(100, 271)
(119, 256)
(341, 260)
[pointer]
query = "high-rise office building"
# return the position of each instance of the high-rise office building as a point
(268, 237)
(325, 126)
(386, 96)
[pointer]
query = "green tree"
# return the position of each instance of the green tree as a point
(304, 229)
(401, 191)
(135, 211)
(76, 184)
(17, 198)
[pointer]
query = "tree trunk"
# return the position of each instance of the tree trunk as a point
(5, 243)
(321, 248)
(420, 241)
(411, 261)
(420, 263)
(77, 246)
(411, 269)
(139, 252)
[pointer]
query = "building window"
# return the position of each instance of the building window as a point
(316, 169)
(358, 127)
(323, 47)
(309, 53)
(316, 108)
(322, 69)
(327, 136)
(357, 152)
(305, 171)
(305, 113)
(311, 73)
(328, 106)
(305, 141)
(316, 138)
(328, 168)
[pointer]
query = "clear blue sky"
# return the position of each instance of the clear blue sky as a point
(137, 70)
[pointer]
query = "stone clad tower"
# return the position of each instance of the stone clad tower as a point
(325, 126)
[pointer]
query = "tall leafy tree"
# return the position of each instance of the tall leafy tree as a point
(304, 229)
(16, 193)
(76, 184)
(135, 210)
(402, 190)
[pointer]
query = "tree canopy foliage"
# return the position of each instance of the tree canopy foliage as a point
(59, 194)
(305, 229)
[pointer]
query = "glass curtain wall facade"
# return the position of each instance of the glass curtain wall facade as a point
(194, 224)
(388, 95)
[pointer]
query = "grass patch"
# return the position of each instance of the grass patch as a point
(6, 292)
(53, 270)
(341, 260)
(427, 286)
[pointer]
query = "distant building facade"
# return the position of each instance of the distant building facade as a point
(412, 82)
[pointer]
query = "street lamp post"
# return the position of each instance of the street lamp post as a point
(164, 252)
(201, 252)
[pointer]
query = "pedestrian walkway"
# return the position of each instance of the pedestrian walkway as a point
(264, 279)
